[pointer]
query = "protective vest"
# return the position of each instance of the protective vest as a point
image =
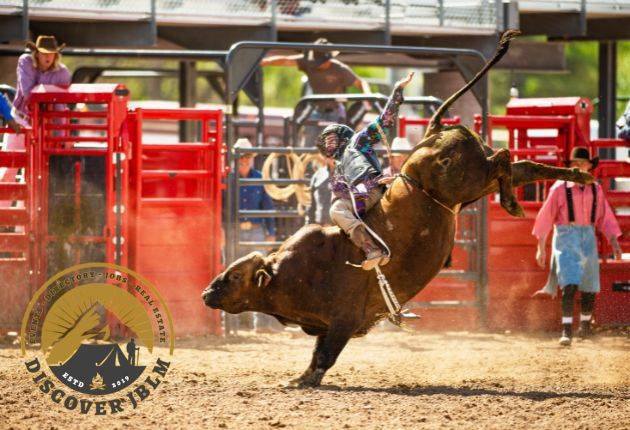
(356, 166)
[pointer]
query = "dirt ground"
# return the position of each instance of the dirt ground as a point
(387, 380)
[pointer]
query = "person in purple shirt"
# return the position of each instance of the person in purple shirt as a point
(42, 66)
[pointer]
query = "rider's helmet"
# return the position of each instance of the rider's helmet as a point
(343, 133)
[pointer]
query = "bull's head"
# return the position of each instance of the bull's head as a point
(241, 286)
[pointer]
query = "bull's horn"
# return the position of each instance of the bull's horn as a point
(262, 278)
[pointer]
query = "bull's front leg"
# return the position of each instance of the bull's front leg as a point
(297, 382)
(501, 169)
(325, 355)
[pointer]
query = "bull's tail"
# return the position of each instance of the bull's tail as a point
(435, 125)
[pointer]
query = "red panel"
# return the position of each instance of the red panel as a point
(613, 307)
(177, 216)
(13, 216)
(14, 159)
(13, 242)
(13, 191)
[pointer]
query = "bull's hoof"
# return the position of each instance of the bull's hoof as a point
(582, 177)
(308, 380)
(513, 208)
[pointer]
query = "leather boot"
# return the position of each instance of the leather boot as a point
(584, 332)
(567, 335)
(374, 255)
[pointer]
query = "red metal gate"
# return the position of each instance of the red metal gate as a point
(87, 187)
(176, 213)
(81, 166)
(16, 219)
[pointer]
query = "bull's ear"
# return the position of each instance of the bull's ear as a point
(262, 278)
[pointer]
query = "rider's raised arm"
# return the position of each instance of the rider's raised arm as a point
(376, 130)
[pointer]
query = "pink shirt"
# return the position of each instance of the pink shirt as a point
(555, 212)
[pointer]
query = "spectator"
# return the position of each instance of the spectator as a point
(321, 195)
(575, 211)
(623, 124)
(253, 197)
(42, 66)
(325, 76)
(5, 111)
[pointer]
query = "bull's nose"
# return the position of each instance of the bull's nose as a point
(208, 298)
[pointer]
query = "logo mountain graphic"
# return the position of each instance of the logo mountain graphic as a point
(99, 368)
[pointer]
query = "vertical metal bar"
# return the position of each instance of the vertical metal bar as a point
(260, 127)
(607, 88)
(499, 15)
(481, 292)
(388, 28)
(118, 235)
(229, 195)
(482, 223)
(234, 191)
(77, 207)
(153, 22)
(25, 20)
(441, 12)
(274, 19)
(187, 96)
(583, 18)
(286, 131)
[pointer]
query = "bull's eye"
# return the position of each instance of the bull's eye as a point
(235, 276)
(445, 162)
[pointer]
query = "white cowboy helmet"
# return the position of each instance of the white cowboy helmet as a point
(400, 144)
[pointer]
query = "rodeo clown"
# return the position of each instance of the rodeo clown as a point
(358, 171)
(575, 211)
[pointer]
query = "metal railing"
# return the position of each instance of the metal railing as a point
(590, 6)
(390, 16)
(283, 14)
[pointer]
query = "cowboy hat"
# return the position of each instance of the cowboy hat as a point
(244, 143)
(317, 58)
(580, 153)
(45, 45)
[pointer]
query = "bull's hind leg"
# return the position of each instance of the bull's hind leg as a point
(525, 172)
(501, 170)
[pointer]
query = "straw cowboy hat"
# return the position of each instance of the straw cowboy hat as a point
(45, 45)
(580, 153)
(317, 58)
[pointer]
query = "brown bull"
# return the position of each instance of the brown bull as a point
(307, 281)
